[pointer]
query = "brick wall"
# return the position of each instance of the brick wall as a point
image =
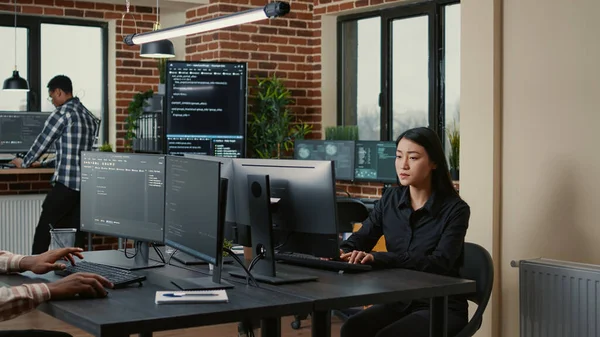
(134, 74)
(283, 46)
(29, 183)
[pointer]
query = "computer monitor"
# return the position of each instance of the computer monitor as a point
(227, 173)
(375, 161)
(195, 207)
(304, 215)
(122, 195)
(340, 151)
(18, 130)
(205, 108)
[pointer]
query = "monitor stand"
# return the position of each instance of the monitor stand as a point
(189, 260)
(203, 283)
(117, 258)
(259, 204)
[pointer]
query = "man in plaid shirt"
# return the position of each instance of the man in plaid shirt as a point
(72, 128)
(17, 300)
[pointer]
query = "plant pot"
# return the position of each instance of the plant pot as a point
(454, 174)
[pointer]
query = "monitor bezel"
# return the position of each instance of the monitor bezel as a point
(381, 181)
(352, 143)
(132, 237)
(165, 147)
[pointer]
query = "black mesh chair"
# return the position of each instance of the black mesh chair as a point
(350, 211)
(479, 267)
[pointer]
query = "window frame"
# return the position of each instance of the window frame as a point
(434, 10)
(34, 68)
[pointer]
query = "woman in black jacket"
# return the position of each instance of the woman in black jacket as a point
(424, 222)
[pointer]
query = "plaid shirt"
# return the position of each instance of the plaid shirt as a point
(74, 129)
(15, 301)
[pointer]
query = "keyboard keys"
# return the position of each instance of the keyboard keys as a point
(118, 277)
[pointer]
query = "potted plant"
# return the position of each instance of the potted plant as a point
(134, 111)
(271, 128)
(454, 139)
(341, 132)
(106, 147)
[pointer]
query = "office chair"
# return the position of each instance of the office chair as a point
(350, 211)
(478, 266)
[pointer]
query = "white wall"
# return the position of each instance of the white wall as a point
(551, 189)
(480, 131)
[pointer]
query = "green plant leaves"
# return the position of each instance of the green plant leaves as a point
(271, 127)
(135, 110)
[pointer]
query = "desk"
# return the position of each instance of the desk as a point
(339, 291)
(132, 310)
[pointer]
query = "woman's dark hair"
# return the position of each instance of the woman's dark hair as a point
(427, 138)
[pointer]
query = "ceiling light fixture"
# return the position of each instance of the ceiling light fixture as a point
(158, 49)
(15, 82)
(271, 10)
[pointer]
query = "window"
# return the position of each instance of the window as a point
(51, 46)
(13, 100)
(399, 68)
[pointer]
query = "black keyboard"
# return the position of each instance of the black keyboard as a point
(315, 262)
(120, 278)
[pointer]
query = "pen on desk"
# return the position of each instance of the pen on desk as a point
(188, 294)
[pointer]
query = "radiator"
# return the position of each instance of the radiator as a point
(19, 215)
(559, 299)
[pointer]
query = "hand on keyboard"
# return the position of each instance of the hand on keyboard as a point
(118, 277)
(79, 284)
(46, 262)
(357, 256)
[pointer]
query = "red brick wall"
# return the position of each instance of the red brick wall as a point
(284, 46)
(134, 74)
(30, 183)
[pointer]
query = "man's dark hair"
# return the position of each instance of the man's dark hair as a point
(61, 82)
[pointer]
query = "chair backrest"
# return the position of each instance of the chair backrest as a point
(350, 211)
(478, 266)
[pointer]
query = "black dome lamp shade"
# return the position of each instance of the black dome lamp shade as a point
(158, 49)
(15, 82)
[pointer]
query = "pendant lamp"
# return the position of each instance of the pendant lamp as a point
(15, 82)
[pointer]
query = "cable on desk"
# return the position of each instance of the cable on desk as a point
(136, 244)
(170, 257)
(255, 261)
(241, 263)
(159, 253)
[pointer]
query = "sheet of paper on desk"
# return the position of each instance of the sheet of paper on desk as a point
(195, 296)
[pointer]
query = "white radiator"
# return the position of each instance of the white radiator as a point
(19, 214)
